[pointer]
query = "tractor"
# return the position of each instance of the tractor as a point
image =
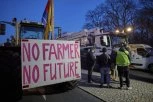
(10, 60)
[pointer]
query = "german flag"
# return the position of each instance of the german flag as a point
(48, 18)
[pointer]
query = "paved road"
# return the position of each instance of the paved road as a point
(141, 75)
(76, 95)
(142, 83)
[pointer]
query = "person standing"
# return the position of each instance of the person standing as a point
(104, 63)
(91, 61)
(114, 72)
(123, 62)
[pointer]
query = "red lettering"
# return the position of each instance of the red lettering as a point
(59, 51)
(52, 52)
(35, 52)
(76, 51)
(44, 45)
(45, 70)
(71, 68)
(66, 48)
(26, 52)
(26, 75)
(76, 74)
(53, 72)
(35, 74)
(30, 74)
(71, 51)
(59, 64)
(66, 68)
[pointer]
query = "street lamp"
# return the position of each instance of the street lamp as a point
(128, 29)
(117, 31)
(124, 32)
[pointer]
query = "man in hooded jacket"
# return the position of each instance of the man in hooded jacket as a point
(123, 62)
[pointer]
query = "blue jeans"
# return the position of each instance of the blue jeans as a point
(105, 73)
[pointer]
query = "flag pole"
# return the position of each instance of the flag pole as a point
(46, 35)
(52, 20)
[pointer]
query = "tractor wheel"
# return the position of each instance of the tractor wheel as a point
(10, 76)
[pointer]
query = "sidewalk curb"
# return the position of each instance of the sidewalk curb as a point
(96, 73)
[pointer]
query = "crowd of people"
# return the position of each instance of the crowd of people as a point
(111, 66)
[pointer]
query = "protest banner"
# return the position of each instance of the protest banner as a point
(46, 62)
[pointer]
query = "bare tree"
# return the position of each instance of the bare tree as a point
(120, 13)
(112, 14)
(94, 18)
(144, 21)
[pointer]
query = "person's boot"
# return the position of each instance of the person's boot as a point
(129, 88)
(101, 85)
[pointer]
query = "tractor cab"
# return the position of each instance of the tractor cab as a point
(109, 41)
(23, 30)
(31, 30)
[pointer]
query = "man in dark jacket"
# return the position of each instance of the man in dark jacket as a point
(104, 63)
(91, 61)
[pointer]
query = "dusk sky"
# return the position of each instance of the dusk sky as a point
(68, 14)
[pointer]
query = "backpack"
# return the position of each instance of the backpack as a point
(90, 58)
(104, 59)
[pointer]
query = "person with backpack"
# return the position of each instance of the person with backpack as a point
(91, 62)
(123, 62)
(104, 64)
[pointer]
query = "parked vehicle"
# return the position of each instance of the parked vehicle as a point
(96, 38)
(142, 56)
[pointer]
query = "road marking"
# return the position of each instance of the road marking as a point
(44, 96)
(42, 91)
